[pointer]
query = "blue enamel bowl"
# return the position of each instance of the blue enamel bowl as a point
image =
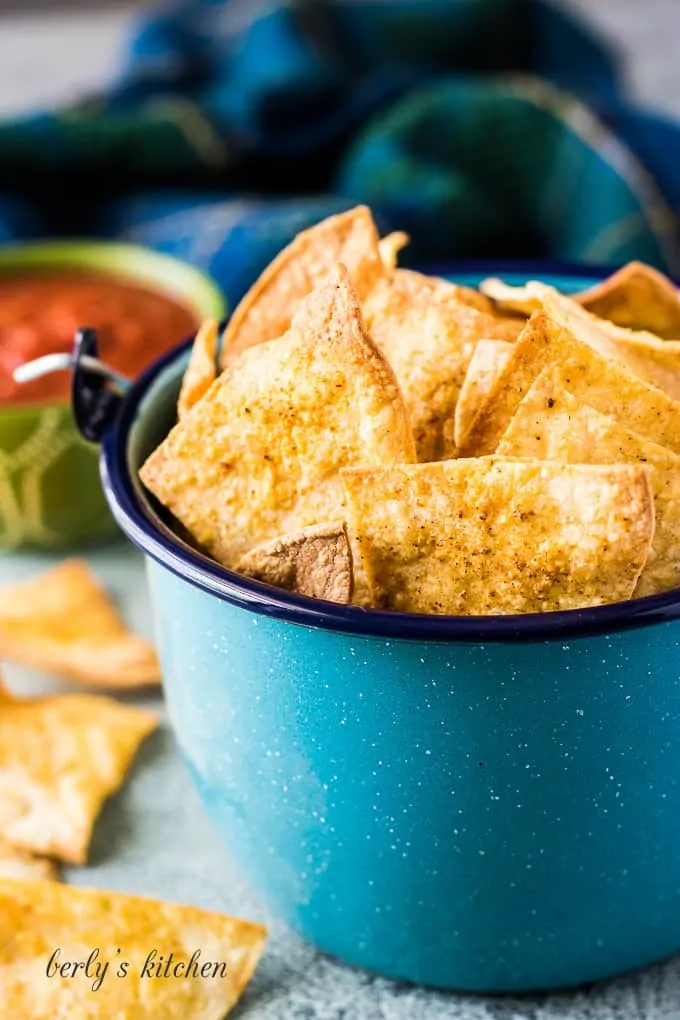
(489, 804)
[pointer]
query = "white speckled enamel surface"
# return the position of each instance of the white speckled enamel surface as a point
(153, 838)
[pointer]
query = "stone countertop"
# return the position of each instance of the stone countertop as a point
(153, 837)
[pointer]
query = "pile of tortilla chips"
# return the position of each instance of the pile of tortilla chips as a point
(61, 757)
(366, 434)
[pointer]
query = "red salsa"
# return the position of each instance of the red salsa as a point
(40, 312)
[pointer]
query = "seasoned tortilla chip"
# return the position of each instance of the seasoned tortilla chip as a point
(488, 536)
(603, 382)
(60, 758)
(552, 424)
(156, 942)
(259, 456)
(515, 300)
(410, 283)
(316, 561)
(638, 297)
(391, 245)
(63, 622)
(201, 371)
(654, 360)
(16, 863)
(267, 310)
(427, 330)
(488, 361)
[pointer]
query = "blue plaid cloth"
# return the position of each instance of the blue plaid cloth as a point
(485, 128)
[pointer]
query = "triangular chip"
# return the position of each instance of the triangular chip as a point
(60, 758)
(512, 299)
(552, 424)
(309, 261)
(487, 536)
(146, 960)
(427, 329)
(654, 360)
(408, 284)
(63, 622)
(488, 362)
(259, 455)
(638, 297)
(201, 371)
(15, 863)
(316, 562)
(604, 383)
(391, 245)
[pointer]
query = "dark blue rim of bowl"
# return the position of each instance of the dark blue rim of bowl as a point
(157, 540)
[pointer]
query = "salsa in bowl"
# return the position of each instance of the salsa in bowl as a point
(142, 304)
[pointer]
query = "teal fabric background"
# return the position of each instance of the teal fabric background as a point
(486, 128)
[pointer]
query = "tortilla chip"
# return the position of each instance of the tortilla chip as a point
(552, 424)
(604, 383)
(201, 371)
(514, 300)
(259, 456)
(315, 562)
(488, 362)
(63, 622)
(60, 758)
(428, 335)
(654, 360)
(391, 245)
(19, 864)
(156, 940)
(638, 297)
(488, 536)
(267, 310)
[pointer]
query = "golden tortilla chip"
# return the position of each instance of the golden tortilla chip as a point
(512, 299)
(654, 360)
(60, 758)
(428, 331)
(638, 297)
(267, 310)
(315, 562)
(488, 536)
(488, 362)
(259, 456)
(391, 245)
(604, 383)
(146, 960)
(19, 864)
(201, 371)
(552, 424)
(63, 622)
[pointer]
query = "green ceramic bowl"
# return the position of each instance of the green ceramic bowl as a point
(50, 494)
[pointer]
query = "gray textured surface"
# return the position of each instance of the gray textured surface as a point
(153, 837)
